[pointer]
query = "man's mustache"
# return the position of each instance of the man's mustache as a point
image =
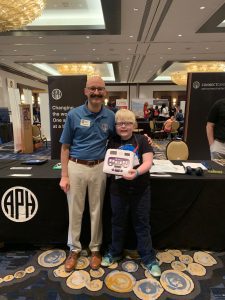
(96, 96)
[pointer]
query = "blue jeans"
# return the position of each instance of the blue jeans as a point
(136, 206)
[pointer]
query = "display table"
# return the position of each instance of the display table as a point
(188, 211)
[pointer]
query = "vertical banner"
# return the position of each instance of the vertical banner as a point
(45, 119)
(204, 89)
(65, 93)
(14, 101)
(26, 128)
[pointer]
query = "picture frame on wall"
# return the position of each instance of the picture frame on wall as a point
(11, 83)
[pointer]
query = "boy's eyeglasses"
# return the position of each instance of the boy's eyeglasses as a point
(119, 124)
(94, 88)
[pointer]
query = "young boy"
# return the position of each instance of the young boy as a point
(131, 192)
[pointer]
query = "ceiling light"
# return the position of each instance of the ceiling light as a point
(135, 9)
(15, 14)
(179, 35)
(202, 7)
(87, 37)
(180, 78)
(76, 69)
(131, 36)
(214, 66)
(169, 48)
(46, 68)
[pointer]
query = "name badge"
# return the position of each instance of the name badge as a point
(86, 123)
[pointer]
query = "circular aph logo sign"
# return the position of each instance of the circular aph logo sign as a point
(56, 94)
(196, 85)
(19, 204)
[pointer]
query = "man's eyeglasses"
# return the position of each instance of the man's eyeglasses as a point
(94, 88)
(119, 124)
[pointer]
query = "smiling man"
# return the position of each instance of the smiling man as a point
(84, 139)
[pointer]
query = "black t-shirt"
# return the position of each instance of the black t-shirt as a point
(217, 116)
(139, 145)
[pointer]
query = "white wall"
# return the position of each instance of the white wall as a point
(144, 91)
(4, 96)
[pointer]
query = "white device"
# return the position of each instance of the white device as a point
(118, 162)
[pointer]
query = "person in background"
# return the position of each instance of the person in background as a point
(151, 113)
(180, 116)
(167, 126)
(164, 114)
(215, 130)
(156, 112)
(131, 193)
(146, 111)
(112, 106)
(172, 111)
(84, 139)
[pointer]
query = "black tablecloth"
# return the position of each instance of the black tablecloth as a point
(187, 211)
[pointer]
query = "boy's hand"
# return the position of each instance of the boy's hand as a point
(130, 175)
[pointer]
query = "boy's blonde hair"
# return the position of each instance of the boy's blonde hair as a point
(126, 115)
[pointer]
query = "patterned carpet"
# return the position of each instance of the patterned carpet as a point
(39, 274)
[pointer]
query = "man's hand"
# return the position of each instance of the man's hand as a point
(65, 184)
(150, 141)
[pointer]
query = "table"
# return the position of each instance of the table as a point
(188, 211)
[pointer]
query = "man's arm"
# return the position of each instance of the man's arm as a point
(64, 182)
(210, 132)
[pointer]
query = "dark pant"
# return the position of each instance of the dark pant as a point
(136, 206)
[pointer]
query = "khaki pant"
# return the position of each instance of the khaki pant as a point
(83, 177)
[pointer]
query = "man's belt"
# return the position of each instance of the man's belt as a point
(89, 163)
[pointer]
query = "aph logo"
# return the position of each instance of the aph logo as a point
(196, 85)
(56, 94)
(19, 204)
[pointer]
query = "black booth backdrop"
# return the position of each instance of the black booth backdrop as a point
(204, 89)
(65, 92)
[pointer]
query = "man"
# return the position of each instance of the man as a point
(83, 139)
(215, 130)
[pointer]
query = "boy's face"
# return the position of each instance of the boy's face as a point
(124, 128)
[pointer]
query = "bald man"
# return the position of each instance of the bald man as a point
(83, 140)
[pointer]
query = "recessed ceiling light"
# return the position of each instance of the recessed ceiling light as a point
(87, 37)
(93, 49)
(14, 50)
(135, 9)
(169, 48)
(131, 36)
(206, 48)
(202, 7)
(129, 49)
(194, 57)
(54, 50)
(40, 37)
(179, 35)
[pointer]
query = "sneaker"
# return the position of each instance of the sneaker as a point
(108, 259)
(153, 268)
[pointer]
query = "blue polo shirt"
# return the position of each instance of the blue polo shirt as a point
(87, 132)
